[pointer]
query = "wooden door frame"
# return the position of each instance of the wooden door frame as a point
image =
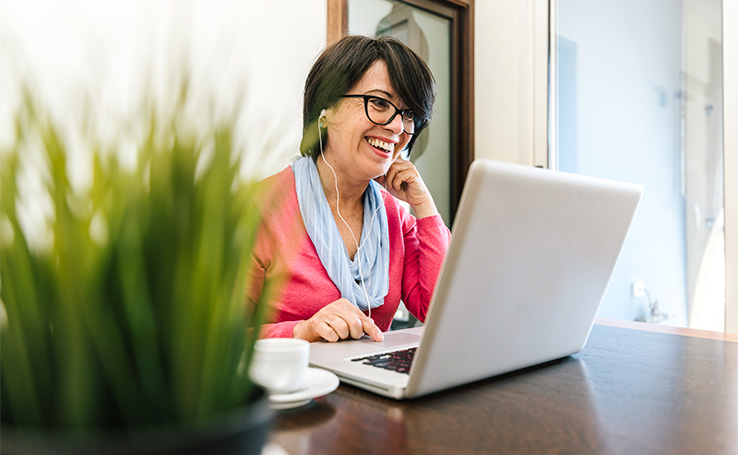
(461, 14)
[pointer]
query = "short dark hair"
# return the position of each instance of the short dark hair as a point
(342, 64)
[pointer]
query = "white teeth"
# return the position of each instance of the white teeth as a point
(381, 144)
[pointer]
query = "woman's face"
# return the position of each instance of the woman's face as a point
(358, 146)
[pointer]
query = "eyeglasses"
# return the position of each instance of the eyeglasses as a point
(381, 112)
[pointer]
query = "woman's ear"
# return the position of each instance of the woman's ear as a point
(322, 121)
(331, 110)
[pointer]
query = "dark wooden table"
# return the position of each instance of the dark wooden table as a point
(628, 392)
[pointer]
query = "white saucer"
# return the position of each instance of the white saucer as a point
(318, 382)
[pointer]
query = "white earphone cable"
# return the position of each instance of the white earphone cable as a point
(338, 210)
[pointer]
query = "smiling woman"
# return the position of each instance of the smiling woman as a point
(334, 227)
(340, 68)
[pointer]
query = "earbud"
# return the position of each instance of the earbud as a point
(320, 119)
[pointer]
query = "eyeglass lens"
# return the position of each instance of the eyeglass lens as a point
(381, 112)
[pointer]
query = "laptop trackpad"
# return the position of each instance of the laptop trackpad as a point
(402, 337)
(321, 351)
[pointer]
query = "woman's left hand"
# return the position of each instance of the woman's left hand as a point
(403, 181)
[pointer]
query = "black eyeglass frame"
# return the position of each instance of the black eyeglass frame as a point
(419, 123)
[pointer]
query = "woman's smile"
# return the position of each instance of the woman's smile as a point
(384, 145)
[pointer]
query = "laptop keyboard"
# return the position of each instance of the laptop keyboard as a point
(399, 361)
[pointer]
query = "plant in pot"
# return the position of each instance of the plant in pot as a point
(124, 327)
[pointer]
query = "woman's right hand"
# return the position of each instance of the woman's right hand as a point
(337, 321)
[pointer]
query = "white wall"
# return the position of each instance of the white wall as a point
(730, 119)
(108, 49)
(503, 59)
(285, 37)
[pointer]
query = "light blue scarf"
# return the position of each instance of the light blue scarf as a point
(321, 227)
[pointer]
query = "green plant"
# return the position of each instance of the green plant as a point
(133, 315)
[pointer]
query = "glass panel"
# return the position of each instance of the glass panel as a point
(639, 99)
(429, 36)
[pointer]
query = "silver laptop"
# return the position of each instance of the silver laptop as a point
(530, 258)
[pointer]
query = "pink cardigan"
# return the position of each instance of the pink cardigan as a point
(285, 254)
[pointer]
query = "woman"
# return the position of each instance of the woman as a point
(335, 233)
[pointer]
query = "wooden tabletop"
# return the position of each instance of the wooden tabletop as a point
(628, 392)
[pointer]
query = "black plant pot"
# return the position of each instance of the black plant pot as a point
(243, 432)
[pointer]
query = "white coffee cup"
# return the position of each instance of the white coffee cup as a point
(280, 364)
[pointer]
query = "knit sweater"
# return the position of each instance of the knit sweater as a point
(285, 256)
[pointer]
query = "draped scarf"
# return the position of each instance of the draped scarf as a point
(371, 261)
